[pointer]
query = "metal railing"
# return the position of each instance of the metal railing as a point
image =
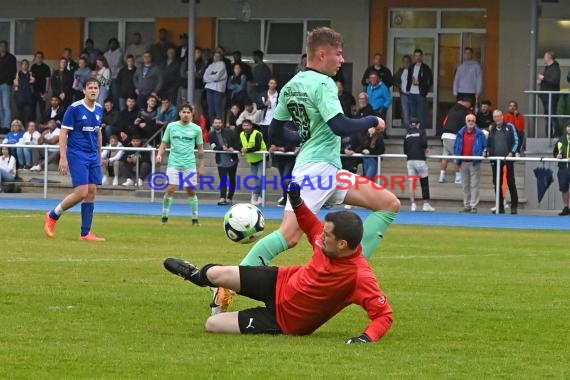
(548, 115)
(265, 154)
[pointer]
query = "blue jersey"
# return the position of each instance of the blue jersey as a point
(83, 125)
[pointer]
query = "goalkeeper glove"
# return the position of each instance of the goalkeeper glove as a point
(359, 339)
(294, 192)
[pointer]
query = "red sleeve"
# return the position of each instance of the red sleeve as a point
(370, 297)
(309, 223)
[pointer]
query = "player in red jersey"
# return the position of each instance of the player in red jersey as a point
(300, 299)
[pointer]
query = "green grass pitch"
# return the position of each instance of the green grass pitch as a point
(469, 304)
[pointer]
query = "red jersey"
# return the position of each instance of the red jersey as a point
(517, 121)
(308, 296)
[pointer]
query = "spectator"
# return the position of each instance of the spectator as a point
(147, 79)
(284, 162)
(401, 82)
(237, 86)
(384, 74)
(251, 113)
(136, 164)
(420, 80)
(261, 73)
(80, 76)
(90, 53)
(115, 60)
(50, 136)
(514, 117)
(452, 123)
(55, 111)
(28, 157)
(378, 95)
(549, 80)
(233, 116)
(170, 71)
(126, 123)
(103, 75)
(145, 122)
(182, 48)
(267, 103)
(158, 50)
(470, 141)
(7, 167)
(468, 81)
(251, 142)
(302, 66)
(136, 48)
(109, 121)
(346, 99)
(8, 71)
(42, 75)
(364, 107)
(225, 139)
(167, 113)
(215, 79)
(415, 149)
(245, 68)
(62, 83)
(110, 160)
(199, 69)
(23, 91)
(503, 142)
(125, 82)
(562, 151)
(16, 133)
(70, 65)
(370, 145)
(485, 116)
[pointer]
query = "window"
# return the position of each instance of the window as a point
(413, 19)
(20, 34)
(549, 38)
(238, 35)
(100, 31)
(464, 19)
(284, 38)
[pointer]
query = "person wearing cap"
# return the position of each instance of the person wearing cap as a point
(415, 148)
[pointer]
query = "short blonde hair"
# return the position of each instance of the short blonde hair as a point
(17, 123)
(322, 36)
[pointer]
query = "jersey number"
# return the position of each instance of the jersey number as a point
(301, 119)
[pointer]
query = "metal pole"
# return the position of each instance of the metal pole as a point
(191, 48)
(532, 104)
(152, 170)
(378, 168)
(263, 168)
(498, 186)
(45, 171)
(549, 114)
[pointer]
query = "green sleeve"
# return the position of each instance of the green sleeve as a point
(199, 137)
(327, 100)
(166, 137)
(281, 111)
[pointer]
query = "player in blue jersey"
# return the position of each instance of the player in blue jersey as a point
(80, 156)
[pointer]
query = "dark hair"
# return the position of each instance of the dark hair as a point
(408, 57)
(468, 49)
(419, 51)
(91, 80)
(130, 56)
(89, 41)
(108, 100)
(247, 121)
(186, 105)
(258, 53)
(113, 136)
(39, 52)
(487, 102)
(113, 39)
(347, 226)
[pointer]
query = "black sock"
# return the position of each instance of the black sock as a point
(201, 279)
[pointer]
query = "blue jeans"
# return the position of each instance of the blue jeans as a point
(417, 105)
(5, 106)
(257, 171)
(215, 102)
(5, 176)
(370, 167)
(405, 102)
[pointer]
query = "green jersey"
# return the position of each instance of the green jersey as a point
(183, 139)
(310, 98)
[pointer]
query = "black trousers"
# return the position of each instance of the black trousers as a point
(510, 183)
(227, 175)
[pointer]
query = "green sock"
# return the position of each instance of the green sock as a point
(375, 226)
(166, 203)
(193, 202)
(267, 248)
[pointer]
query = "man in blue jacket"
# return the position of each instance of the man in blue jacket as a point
(470, 141)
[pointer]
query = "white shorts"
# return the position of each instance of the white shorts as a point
(320, 184)
(174, 176)
(418, 167)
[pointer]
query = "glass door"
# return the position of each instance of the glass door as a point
(404, 42)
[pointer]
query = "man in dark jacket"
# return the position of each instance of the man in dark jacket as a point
(415, 146)
(125, 82)
(503, 142)
(383, 72)
(549, 80)
(7, 74)
(420, 80)
(225, 140)
(453, 122)
(562, 151)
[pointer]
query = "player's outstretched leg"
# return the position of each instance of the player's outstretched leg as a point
(384, 206)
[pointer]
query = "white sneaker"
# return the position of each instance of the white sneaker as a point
(347, 207)
(116, 181)
(128, 182)
(458, 179)
(105, 180)
(441, 178)
(140, 182)
(427, 207)
(493, 209)
(413, 207)
(36, 168)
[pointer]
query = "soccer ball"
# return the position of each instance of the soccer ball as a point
(244, 223)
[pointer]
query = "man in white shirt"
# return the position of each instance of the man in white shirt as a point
(50, 136)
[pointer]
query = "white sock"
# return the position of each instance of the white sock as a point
(58, 210)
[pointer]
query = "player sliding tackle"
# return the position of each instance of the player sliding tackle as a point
(300, 299)
(310, 98)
